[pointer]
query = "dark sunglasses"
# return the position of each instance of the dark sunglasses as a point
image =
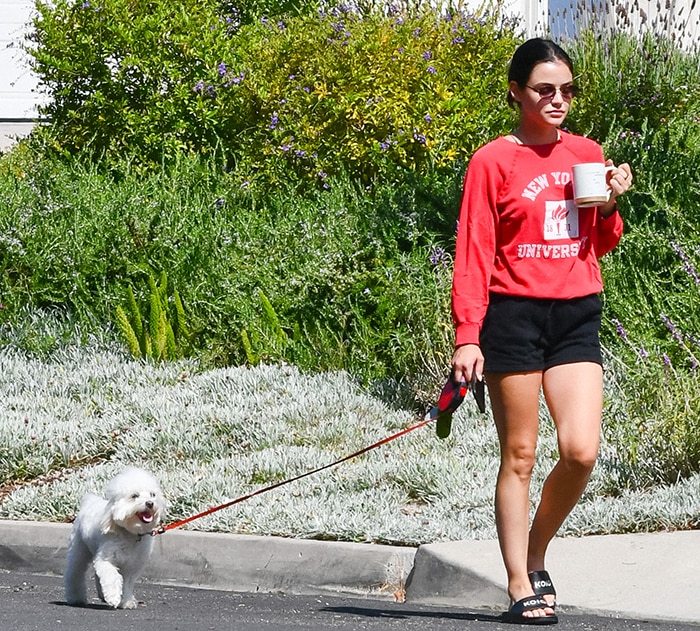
(547, 90)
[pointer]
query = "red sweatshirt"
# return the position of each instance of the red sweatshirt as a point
(520, 232)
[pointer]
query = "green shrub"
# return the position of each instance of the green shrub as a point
(163, 333)
(294, 100)
(652, 415)
(631, 83)
(347, 278)
(120, 75)
(371, 94)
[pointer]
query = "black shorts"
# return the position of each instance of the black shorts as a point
(524, 334)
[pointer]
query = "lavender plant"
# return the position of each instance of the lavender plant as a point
(653, 419)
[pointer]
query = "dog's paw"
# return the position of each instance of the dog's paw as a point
(129, 604)
(112, 597)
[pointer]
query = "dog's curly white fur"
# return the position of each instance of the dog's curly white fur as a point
(113, 535)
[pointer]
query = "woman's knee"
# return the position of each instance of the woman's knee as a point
(579, 460)
(518, 461)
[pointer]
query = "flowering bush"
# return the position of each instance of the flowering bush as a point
(370, 94)
(299, 99)
(123, 76)
(630, 82)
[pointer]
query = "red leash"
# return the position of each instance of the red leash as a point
(162, 529)
(451, 397)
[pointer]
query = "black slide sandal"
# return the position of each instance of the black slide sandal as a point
(542, 585)
(515, 615)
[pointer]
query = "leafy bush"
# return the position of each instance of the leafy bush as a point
(120, 74)
(631, 83)
(348, 277)
(293, 100)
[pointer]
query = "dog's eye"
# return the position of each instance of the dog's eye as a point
(134, 496)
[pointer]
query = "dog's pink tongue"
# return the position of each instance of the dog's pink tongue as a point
(146, 517)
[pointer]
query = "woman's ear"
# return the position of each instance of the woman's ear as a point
(514, 91)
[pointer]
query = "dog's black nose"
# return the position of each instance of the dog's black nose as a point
(149, 504)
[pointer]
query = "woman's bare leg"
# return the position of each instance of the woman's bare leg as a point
(574, 395)
(515, 401)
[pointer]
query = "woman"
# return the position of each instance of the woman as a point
(527, 311)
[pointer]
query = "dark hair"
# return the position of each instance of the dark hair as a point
(528, 55)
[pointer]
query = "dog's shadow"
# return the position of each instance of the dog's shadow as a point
(93, 605)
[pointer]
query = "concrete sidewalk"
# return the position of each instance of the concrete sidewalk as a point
(642, 576)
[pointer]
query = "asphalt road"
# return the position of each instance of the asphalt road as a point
(35, 603)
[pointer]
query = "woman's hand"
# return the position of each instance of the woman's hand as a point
(466, 361)
(619, 181)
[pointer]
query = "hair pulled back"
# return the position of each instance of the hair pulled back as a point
(534, 51)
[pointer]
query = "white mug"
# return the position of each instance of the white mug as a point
(590, 184)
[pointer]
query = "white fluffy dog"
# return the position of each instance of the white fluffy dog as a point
(113, 535)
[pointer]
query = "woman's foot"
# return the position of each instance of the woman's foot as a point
(530, 610)
(543, 586)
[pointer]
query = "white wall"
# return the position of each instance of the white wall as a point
(18, 99)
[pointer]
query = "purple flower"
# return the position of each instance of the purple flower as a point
(687, 265)
(431, 70)
(672, 328)
(620, 329)
(420, 138)
(437, 256)
(237, 79)
(428, 118)
(387, 143)
(427, 55)
(199, 86)
(274, 121)
(221, 68)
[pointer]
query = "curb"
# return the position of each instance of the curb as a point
(242, 563)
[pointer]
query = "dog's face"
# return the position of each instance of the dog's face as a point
(135, 503)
